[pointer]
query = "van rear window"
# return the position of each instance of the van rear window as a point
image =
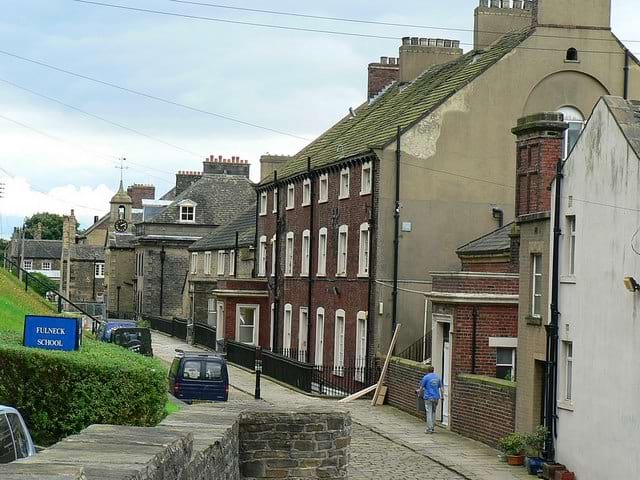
(191, 370)
(213, 371)
(7, 451)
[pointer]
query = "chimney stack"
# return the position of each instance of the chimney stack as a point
(139, 192)
(226, 166)
(495, 18)
(184, 179)
(418, 54)
(68, 230)
(381, 75)
(270, 163)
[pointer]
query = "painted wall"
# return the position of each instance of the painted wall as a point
(599, 430)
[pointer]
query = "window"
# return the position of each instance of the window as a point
(19, 437)
(343, 242)
(536, 285)
(363, 255)
(344, 183)
(211, 312)
(27, 264)
(306, 250)
(303, 322)
(221, 255)
(322, 252)
(99, 270)
(323, 188)
(273, 315)
(46, 265)
(506, 363)
(286, 332)
(365, 179)
(213, 371)
(306, 192)
(122, 212)
(263, 203)
(194, 263)
(568, 356)
(207, 263)
(262, 255)
(187, 213)
(291, 196)
(338, 345)
(232, 263)
(288, 255)
(247, 317)
(7, 451)
(361, 345)
(273, 255)
(191, 369)
(572, 55)
(275, 200)
(319, 336)
(576, 123)
(571, 245)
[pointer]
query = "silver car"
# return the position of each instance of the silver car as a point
(15, 441)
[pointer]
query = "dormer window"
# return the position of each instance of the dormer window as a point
(187, 212)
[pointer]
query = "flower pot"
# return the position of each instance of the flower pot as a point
(515, 460)
(534, 464)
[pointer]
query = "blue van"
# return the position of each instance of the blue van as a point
(199, 376)
(104, 330)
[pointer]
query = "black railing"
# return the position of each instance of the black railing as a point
(288, 370)
(300, 355)
(121, 315)
(341, 381)
(161, 324)
(180, 328)
(204, 335)
(419, 351)
(241, 354)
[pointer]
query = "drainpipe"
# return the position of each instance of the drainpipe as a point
(235, 257)
(552, 329)
(162, 258)
(310, 277)
(396, 237)
(276, 295)
(372, 308)
(474, 332)
(627, 68)
(256, 247)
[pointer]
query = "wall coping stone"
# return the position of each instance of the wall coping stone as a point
(499, 383)
(410, 363)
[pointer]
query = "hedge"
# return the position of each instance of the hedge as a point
(61, 393)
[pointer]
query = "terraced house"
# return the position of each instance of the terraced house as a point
(351, 226)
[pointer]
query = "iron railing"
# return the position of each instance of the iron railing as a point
(419, 351)
(300, 355)
(288, 370)
(343, 380)
(180, 328)
(241, 354)
(204, 335)
(121, 315)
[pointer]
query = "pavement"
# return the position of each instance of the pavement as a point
(386, 442)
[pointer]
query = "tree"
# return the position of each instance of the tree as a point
(51, 225)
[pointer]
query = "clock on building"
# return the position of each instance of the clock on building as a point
(121, 225)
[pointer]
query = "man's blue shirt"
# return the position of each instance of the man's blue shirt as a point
(431, 385)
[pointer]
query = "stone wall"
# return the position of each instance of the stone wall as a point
(402, 379)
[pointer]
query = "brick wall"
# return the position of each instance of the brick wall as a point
(494, 284)
(483, 408)
(230, 317)
(139, 192)
(382, 74)
(403, 376)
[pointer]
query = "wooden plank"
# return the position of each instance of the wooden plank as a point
(359, 394)
(383, 394)
(386, 365)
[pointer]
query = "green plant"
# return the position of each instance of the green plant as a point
(534, 442)
(43, 284)
(512, 444)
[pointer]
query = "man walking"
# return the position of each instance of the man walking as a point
(431, 390)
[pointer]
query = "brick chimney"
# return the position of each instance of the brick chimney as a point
(417, 54)
(539, 147)
(270, 163)
(139, 192)
(226, 166)
(494, 18)
(184, 179)
(381, 74)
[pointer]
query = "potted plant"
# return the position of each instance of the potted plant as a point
(513, 446)
(534, 443)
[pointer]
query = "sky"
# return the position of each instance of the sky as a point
(54, 157)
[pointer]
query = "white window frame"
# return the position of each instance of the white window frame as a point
(291, 196)
(364, 250)
(286, 328)
(220, 321)
(184, 215)
(194, 263)
(211, 312)
(536, 271)
(46, 265)
(207, 263)
(306, 192)
(288, 254)
(275, 201)
(344, 189)
(366, 173)
(319, 350)
(343, 251)
(568, 372)
(323, 238)
(256, 322)
(323, 188)
(303, 326)
(273, 256)
(512, 365)
(571, 245)
(27, 265)
(221, 260)
(361, 346)
(273, 315)
(305, 254)
(338, 343)
(99, 270)
(263, 203)
(232, 263)
(262, 264)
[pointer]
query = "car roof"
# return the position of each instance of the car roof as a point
(198, 354)
(123, 323)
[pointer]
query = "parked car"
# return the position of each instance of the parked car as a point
(136, 339)
(199, 376)
(106, 327)
(15, 440)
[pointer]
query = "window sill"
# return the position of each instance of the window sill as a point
(531, 320)
(571, 61)
(323, 201)
(261, 214)
(568, 406)
(343, 197)
(322, 275)
(304, 275)
(305, 204)
(288, 275)
(365, 193)
(568, 279)
(341, 275)
(290, 208)
(363, 275)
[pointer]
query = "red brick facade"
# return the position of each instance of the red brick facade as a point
(382, 74)
(139, 192)
(402, 379)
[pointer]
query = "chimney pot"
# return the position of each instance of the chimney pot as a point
(432, 42)
(95, 219)
(384, 60)
(406, 41)
(414, 40)
(440, 42)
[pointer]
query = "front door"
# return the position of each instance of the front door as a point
(446, 373)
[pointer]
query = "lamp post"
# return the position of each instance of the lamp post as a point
(256, 393)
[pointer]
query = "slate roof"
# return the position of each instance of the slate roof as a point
(375, 123)
(627, 116)
(41, 248)
(99, 223)
(225, 237)
(87, 252)
(494, 242)
(219, 199)
(170, 195)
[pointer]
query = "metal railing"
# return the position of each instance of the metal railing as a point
(300, 355)
(161, 324)
(180, 328)
(204, 335)
(343, 380)
(121, 315)
(419, 351)
(288, 370)
(241, 354)
(29, 278)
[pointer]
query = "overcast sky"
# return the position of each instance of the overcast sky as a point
(291, 81)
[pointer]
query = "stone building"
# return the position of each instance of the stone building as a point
(454, 167)
(203, 202)
(35, 255)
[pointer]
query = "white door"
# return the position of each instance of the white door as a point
(220, 321)
(320, 336)
(446, 373)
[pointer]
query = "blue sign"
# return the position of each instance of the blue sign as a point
(52, 333)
